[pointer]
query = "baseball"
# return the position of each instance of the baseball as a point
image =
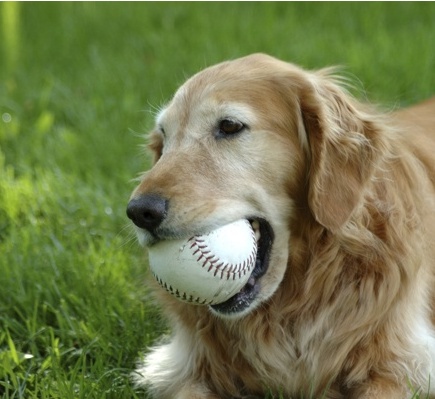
(206, 269)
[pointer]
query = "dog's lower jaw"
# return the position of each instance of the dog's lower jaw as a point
(144, 237)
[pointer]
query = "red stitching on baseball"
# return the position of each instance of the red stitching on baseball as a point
(198, 245)
(180, 295)
(230, 270)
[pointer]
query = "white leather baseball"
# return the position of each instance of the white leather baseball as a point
(206, 269)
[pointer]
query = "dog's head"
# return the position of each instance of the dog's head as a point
(256, 139)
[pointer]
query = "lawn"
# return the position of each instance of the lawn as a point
(78, 86)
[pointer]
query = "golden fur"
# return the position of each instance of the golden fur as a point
(346, 306)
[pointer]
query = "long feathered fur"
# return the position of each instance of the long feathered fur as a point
(351, 315)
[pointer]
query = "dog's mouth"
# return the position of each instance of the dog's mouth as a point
(244, 298)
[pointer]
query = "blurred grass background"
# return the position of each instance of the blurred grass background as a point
(78, 83)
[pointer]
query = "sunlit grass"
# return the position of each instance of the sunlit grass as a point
(11, 33)
(78, 84)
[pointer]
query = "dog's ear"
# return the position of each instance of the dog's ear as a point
(343, 150)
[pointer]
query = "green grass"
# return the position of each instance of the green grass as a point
(77, 84)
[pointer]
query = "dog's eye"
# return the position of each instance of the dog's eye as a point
(230, 127)
(162, 131)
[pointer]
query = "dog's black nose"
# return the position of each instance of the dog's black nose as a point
(147, 211)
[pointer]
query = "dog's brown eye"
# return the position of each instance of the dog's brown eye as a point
(229, 127)
(162, 130)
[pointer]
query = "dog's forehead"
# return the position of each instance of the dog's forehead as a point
(233, 78)
(253, 88)
(207, 97)
(220, 87)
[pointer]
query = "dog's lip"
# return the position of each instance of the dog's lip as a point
(244, 298)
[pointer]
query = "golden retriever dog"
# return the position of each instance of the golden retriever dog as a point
(341, 301)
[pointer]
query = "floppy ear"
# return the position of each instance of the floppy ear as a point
(343, 142)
